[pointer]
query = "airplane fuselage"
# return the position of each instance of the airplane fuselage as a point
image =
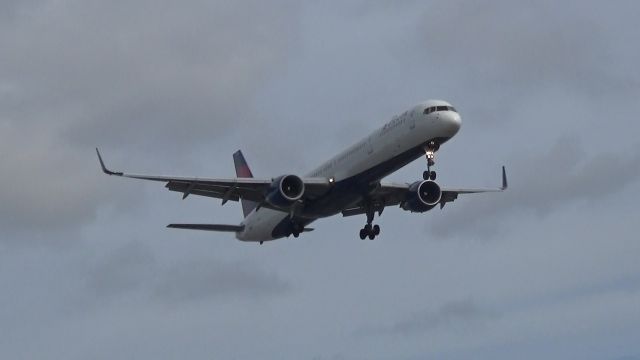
(357, 170)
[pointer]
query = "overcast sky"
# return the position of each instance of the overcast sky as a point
(549, 269)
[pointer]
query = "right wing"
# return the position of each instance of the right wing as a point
(254, 189)
(394, 194)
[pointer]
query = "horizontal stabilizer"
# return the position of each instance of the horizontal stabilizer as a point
(208, 227)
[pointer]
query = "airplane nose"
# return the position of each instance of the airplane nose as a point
(452, 122)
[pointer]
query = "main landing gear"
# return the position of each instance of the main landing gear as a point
(430, 152)
(296, 229)
(370, 231)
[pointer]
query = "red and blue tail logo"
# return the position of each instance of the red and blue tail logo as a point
(243, 171)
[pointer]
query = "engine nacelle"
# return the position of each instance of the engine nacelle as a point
(285, 190)
(423, 196)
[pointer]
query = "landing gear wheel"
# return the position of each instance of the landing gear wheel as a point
(296, 229)
(429, 175)
(369, 231)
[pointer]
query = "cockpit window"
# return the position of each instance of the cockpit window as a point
(429, 110)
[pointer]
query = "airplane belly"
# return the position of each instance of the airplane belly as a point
(259, 225)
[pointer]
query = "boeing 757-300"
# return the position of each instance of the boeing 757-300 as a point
(347, 184)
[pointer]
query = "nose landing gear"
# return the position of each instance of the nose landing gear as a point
(430, 153)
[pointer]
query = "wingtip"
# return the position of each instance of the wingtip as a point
(505, 185)
(104, 168)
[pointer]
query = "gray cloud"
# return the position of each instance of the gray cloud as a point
(43, 188)
(75, 75)
(202, 279)
(450, 315)
(460, 315)
(176, 87)
(505, 52)
(133, 268)
(541, 184)
(97, 70)
(537, 43)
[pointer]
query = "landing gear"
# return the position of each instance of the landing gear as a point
(430, 153)
(369, 230)
(297, 229)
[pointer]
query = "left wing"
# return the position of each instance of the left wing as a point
(254, 189)
(394, 194)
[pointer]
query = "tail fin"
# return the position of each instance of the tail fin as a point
(243, 171)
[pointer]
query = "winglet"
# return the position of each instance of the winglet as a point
(104, 168)
(504, 179)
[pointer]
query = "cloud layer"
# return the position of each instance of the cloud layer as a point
(547, 269)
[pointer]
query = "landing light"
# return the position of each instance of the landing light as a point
(332, 180)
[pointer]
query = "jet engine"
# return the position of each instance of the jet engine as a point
(423, 196)
(285, 190)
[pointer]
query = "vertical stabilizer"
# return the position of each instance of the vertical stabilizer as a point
(243, 171)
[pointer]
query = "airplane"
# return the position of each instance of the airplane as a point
(349, 183)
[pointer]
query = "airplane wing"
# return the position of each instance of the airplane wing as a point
(394, 194)
(253, 189)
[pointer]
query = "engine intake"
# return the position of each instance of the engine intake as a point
(285, 190)
(423, 196)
